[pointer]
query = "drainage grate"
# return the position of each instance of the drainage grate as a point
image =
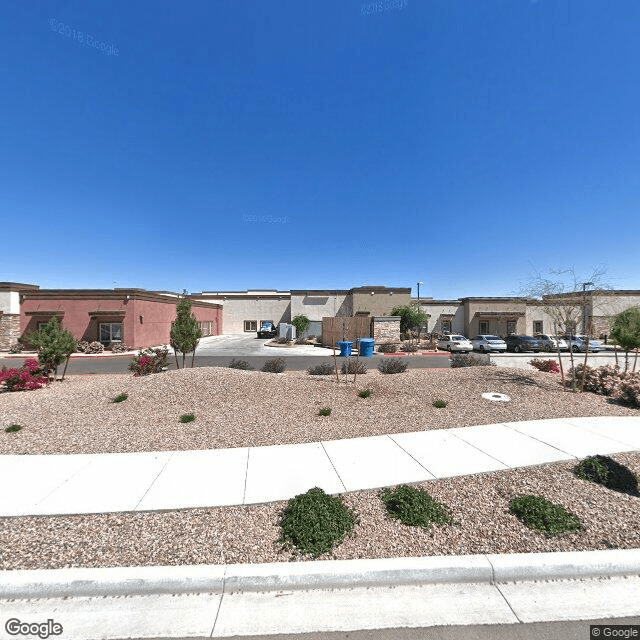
(496, 397)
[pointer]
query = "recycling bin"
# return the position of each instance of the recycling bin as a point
(345, 347)
(367, 346)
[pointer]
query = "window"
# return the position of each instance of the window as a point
(446, 326)
(110, 332)
(537, 326)
(484, 327)
(511, 327)
(250, 325)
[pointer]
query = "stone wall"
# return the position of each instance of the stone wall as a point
(386, 329)
(9, 330)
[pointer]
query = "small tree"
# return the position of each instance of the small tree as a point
(185, 332)
(411, 317)
(54, 346)
(301, 323)
(626, 332)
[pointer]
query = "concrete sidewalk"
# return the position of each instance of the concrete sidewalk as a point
(101, 483)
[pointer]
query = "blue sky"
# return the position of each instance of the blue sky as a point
(238, 145)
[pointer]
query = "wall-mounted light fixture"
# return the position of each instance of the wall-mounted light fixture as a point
(141, 319)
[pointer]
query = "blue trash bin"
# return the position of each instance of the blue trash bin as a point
(367, 346)
(345, 347)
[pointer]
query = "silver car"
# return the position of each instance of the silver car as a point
(455, 343)
(485, 343)
(579, 343)
(552, 343)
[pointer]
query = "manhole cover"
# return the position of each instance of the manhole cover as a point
(496, 397)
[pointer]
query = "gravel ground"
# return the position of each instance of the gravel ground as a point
(479, 505)
(250, 408)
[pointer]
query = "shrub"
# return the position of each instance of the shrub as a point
(314, 522)
(392, 366)
(94, 347)
(468, 360)
(439, 404)
(301, 323)
(414, 507)
(149, 361)
(387, 348)
(12, 428)
(539, 513)
(16, 347)
(323, 369)
(281, 340)
(629, 390)
(185, 332)
(240, 364)
(351, 366)
(409, 347)
(187, 417)
(604, 380)
(54, 346)
(121, 397)
(365, 393)
(118, 347)
(325, 412)
(82, 346)
(277, 365)
(547, 366)
(27, 378)
(609, 473)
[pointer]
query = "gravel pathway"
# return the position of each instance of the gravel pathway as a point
(250, 408)
(479, 505)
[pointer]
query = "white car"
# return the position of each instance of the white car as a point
(455, 343)
(552, 343)
(485, 343)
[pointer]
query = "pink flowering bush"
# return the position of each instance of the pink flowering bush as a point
(609, 380)
(26, 378)
(548, 366)
(149, 361)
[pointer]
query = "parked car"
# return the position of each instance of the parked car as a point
(486, 343)
(579, 343)
(455, 343)
(267, 330)
(552, 343)
(518, 344)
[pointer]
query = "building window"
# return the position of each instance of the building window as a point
(537, 326)
(484, 327)
(446, 326)
(250, 325)
(511, 327)
(110, 332)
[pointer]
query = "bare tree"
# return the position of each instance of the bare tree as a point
(563, 296)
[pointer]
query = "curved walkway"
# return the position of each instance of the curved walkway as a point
(114, 482)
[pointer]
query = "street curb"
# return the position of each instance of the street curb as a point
(318, 575)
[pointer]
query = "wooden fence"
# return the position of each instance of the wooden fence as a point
(349, 328)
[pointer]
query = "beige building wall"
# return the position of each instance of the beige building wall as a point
(379, 301)
(441, 311)
(320, 304)
(497, 313)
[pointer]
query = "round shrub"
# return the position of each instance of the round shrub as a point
(409, 347)
(323, 369)
(314, 522)
(463, 360)
(392, 366)
(539, 513)
(243, 365)
(187, 417)
(414, 507)
(118, 347)
(13, 428)
(387, 348)
(325, 412)
(94, 347)
(365, 393)
(353, 367)
(609, 473)
(277, 365)
(121, 397)
(439, 404)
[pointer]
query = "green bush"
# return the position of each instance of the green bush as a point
(467, 360)
(325, 412)
(277, 365)
(387, 348)
(414, 507)
(365, 393)
(323, 369)
(609, 473)
(12, 428)
(240, 364)
(439, 404)
(187, 417)
(538, 513)
(409, 347)
(120, 397)
(314, 522)
(353, 366)
(392, 366)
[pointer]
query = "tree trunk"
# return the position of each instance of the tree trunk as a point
(635, 361)
(193, 358)
(615, 350)
(564, 386)
(183, 356)
(355, 373)
(64, 371)
(175, 355)
(335, 364)
(626, 360)
(584, 364)
(573, 367)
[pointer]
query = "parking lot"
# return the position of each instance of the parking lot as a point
(249, 345)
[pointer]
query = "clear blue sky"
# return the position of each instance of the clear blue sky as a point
(293, 144)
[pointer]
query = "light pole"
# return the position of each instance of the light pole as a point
(419, 283)
(584, 306)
